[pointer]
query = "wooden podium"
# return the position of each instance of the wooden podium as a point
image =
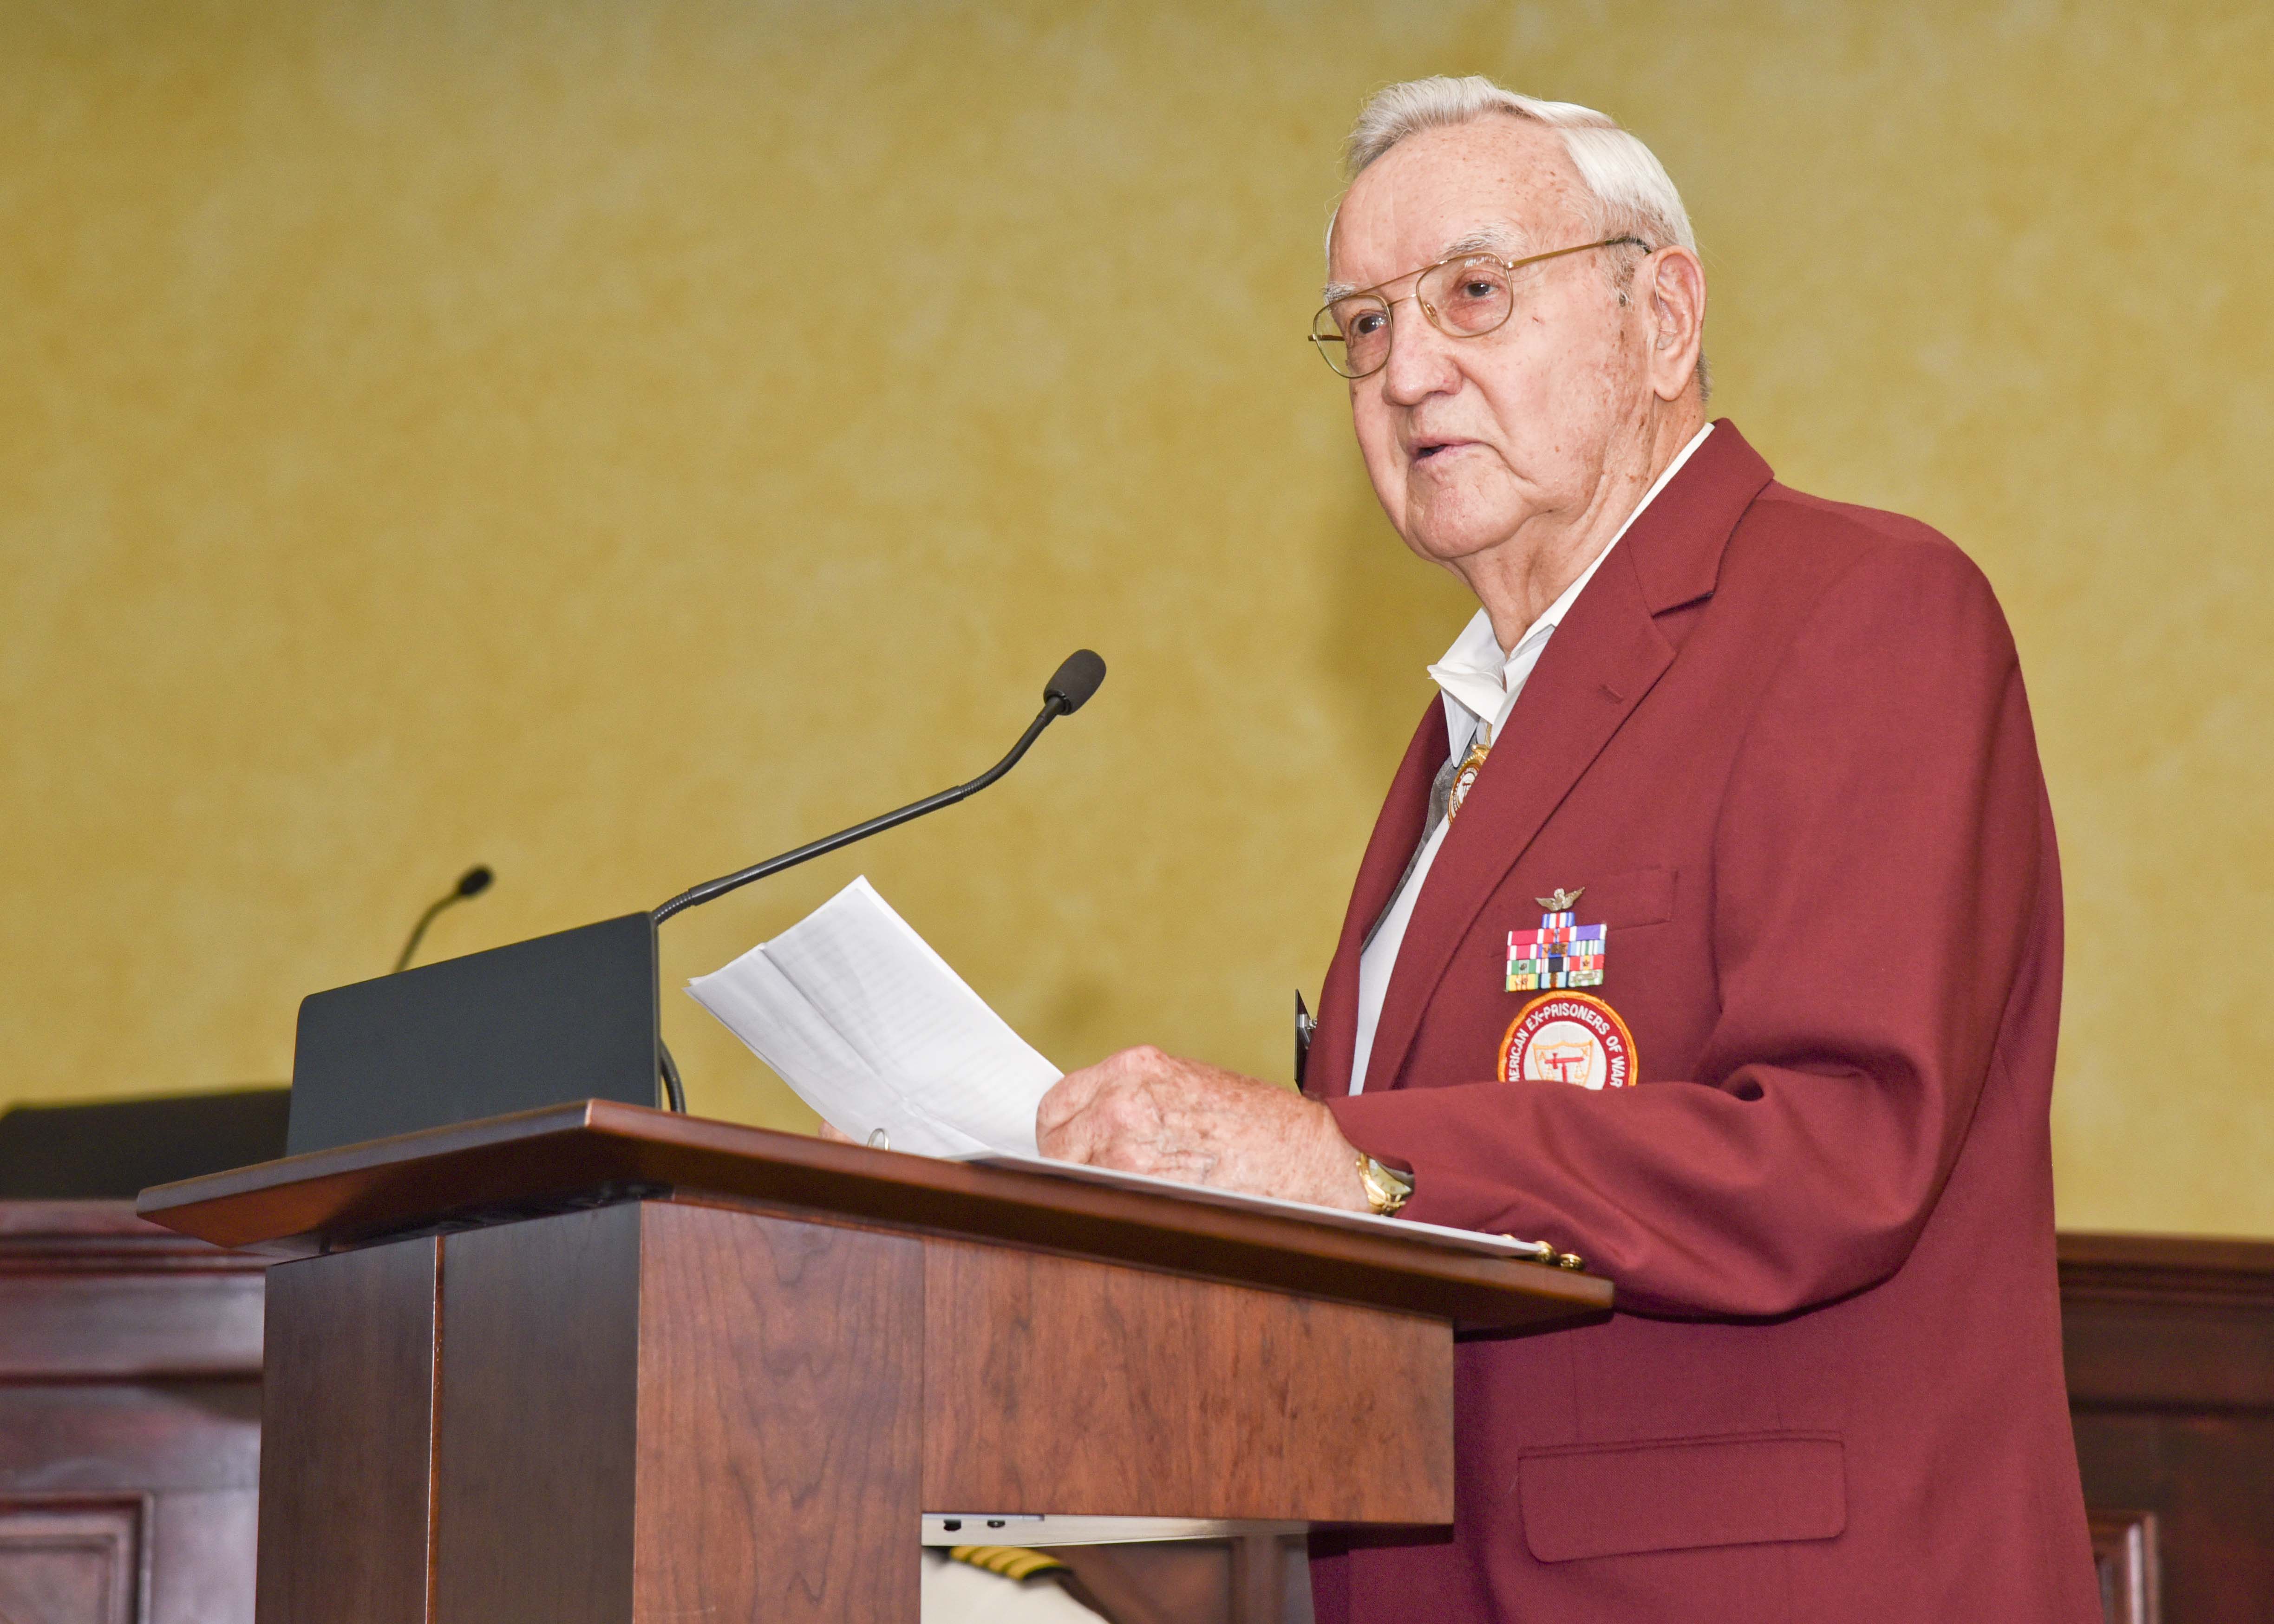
(600, 1363)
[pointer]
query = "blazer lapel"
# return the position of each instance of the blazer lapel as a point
(1603, 659)
(1396, 831)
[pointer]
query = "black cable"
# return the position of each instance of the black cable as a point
(674, 1095)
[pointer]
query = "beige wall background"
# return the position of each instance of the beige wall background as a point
(614, 441)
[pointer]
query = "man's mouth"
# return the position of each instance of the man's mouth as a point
(1425, 449)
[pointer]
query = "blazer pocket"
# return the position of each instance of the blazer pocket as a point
(1631, 900)
(1674, 1494)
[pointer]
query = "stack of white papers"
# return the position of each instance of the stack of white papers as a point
(868, 1024)
(873, 1030)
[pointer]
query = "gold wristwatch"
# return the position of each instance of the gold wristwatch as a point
(1386, 1188)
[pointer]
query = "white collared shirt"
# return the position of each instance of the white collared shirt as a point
(1480, 685)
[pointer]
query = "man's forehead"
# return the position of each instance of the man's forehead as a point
(1494, 183)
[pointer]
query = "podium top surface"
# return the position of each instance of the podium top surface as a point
(596, 1152)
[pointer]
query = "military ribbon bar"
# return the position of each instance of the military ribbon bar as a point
(1557, 956)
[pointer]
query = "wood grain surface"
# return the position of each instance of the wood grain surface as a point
(582, 1153)
(91, 1231)
(780, 1390)
(535, 1465)
(2166, 1319)
(2168, 1341)
(94, 1291)
(67, 1561)
(163, 1439)
(2124, 1550)
(1054, 1385)
(347, 1410)
(130, 1418)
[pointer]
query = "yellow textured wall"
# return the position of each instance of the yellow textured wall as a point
(614, 441)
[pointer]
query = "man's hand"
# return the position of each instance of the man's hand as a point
(1147, 1112)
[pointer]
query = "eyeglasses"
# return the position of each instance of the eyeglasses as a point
(1466, 295)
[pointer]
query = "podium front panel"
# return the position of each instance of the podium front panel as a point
(347, 1424)
(1071, 1388)
(663, 1409)
(781, 1390)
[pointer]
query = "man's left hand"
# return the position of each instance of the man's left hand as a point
(1147, 1112)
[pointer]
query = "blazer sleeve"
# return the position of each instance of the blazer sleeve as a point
(1877, 863)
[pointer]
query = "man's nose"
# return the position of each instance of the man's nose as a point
(1420, 358)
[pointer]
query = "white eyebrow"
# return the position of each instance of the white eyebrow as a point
(1487, 239)
(1501, 240)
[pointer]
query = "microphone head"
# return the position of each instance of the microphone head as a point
(475, 881)
(1075, 680)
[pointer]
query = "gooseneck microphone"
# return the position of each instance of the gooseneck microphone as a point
(1068, 690)
(472, 883)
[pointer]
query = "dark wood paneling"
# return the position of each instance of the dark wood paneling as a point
(70, 1562)
(2210, 1481)
(780, 1390)
(130, 1419)
(93, 1437)
(202, 1548)
(347, 1421)
(574, 1155)
(536, 1460)
(95, 1231)
(105, 1326)
(94, 1291)
(2124, 1551)
(1053, 1384)
(2169, 1349)
(2167, 1320)
(173, 1557)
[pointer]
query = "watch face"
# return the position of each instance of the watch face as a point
(1385, 1190)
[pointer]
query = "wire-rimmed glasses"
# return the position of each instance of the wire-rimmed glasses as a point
(1465, 296)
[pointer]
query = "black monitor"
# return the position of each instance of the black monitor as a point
(572, 1016)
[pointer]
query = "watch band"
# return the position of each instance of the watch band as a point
(1386, 1188)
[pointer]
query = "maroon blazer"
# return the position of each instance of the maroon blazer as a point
(1784, 746)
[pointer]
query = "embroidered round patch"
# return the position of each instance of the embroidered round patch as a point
(1568, 1037)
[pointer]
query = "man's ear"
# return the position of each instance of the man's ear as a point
(1675, 282)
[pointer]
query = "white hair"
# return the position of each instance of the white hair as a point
(1631, 194)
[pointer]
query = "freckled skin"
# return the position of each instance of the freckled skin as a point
(1150, 1112)
(1558, 422)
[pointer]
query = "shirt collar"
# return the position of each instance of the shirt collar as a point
(1474, 671)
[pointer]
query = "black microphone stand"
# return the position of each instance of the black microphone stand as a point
(1053, 708)
(472, 883)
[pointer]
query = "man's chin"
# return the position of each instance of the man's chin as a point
(1447, 538)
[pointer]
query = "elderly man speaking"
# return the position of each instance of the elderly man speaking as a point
(1711, 930)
